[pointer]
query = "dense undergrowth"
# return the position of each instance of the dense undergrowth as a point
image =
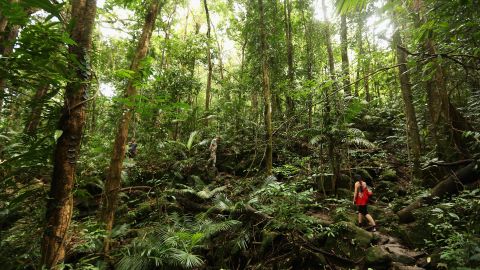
(179, 213)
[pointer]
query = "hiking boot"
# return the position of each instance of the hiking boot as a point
(374, 228)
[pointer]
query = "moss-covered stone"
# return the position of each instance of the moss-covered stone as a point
(377, 257)
(349, 241)
(413, 234)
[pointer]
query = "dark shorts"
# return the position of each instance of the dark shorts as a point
(362, 209)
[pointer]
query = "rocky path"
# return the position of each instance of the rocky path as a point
(374, 250)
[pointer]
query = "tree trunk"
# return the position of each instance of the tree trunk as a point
(309, 66)
(266, 90)
(36, 112)
(60, 201)
(451, 185)
(447, 124)
(209, 59)
(287, 8)
(333, 155)
(405, 86)
(6, 49)
(112, 184)
(361, 51)
(344, 48)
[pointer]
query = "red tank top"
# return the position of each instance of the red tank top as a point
(362, 197)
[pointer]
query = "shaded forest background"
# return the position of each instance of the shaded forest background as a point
(299, 96)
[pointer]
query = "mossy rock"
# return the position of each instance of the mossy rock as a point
(388, 175)
(377, 257)
(412, 233)
(349, 240)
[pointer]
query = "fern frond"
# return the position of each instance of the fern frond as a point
(135, 262)
(361, 142)
(186, 260)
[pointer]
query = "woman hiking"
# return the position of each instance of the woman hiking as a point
(360, 199)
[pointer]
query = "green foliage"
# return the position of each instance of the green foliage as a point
(172, 244)
(454, 236)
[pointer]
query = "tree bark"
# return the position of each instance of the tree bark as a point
(361, 51)
(333, 154)
(6, 49)
(60, 201)
(405, 86)
(36, 112)
(344, 48)
(309, 65)
(287, 8)
(266, 90)
(447, 123)
(113, 182)
(209, 59)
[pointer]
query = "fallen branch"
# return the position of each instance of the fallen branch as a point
(452, 185)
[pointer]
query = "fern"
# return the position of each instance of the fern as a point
(186, 260)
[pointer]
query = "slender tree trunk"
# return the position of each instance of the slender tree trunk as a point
(60, 200)
(112, 184)
(266, 89)
(333, 155)
(405, 86)
(361, 51)
(36, 112)
(345, 64)
(209, 60)
(287, 10)
(309, 65)
(6, 48)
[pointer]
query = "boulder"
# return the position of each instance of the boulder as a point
(350, 241)
(377, 257)
(401, 255)
(400, 266)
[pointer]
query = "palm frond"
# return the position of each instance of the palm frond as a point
(349, 6)
(191, 139)
(361, 142)
(186, 260)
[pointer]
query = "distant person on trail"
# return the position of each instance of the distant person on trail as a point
(132, 149)
(360, 199)
(213, 151)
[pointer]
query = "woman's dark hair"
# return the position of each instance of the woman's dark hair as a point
(358, 177)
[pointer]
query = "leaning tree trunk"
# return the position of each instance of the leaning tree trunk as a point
(287, 8)
(266, 90)
(452, 185)
(209, 60)
(112, 185)
(405, 86)
(60, 201)
(344, 49)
